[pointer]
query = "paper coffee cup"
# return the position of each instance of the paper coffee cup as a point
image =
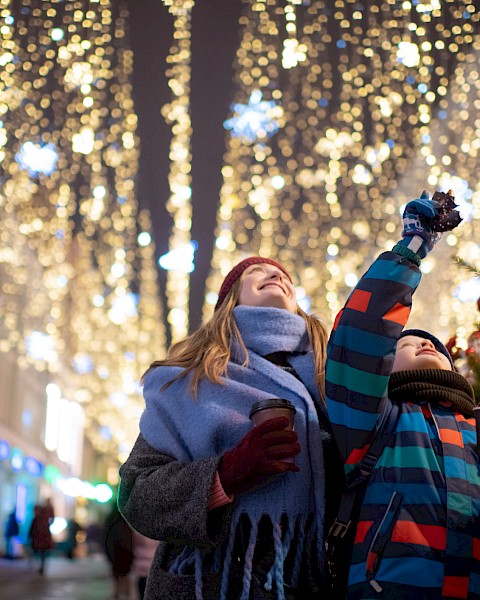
(271, 409)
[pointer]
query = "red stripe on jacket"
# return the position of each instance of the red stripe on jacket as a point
(362, 530)
(455, 587)
(448, 436)
(407, 532)
(356, 455)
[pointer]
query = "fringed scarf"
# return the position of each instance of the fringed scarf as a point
(187, 429)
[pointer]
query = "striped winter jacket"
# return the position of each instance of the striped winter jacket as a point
(418, 532)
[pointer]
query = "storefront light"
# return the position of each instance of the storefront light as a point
(64, 426)
(4, 450)
(83, 489)
(21, 502)
(59, 524)
(16, 459)
(103, 493)
(71, 486)
(51, 474)
(33, 466)
(53, 416)
(87, 490)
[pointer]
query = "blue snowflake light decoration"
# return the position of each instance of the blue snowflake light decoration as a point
(40, 346)
(180, 259)
(105, 432)
(37, 159)
(468, 291)
(83, 363)
(253, 120)
(123, 308)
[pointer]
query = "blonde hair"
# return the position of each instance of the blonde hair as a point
(206, 352)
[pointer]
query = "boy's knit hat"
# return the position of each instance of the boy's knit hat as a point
(235, 273)
(428, 336)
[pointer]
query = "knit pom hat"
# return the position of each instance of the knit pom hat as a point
(235, 273)
(428, 336)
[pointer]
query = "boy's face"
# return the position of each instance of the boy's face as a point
(418, 353)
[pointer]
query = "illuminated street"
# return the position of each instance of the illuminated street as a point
(82, 579)
(191, 196)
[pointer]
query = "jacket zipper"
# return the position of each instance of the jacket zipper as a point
(371, 570)
(434, 420)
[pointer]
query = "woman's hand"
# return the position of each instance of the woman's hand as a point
(260, 454)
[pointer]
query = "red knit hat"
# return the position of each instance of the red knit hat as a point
(235, 273)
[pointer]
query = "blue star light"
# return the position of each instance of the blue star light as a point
(37, 159)
(180, 259)
(253, 120)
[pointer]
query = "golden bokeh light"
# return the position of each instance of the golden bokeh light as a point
(381, 102)
(79, 293)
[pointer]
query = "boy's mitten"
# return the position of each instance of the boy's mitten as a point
(427, 219)
(258, 456)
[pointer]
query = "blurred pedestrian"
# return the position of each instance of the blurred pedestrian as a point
(94, 538)
(48, 510)
(72, 530)
(11, 532)
(40, 536)
(144, 550)
(119, 550)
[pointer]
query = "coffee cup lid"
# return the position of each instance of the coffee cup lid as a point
(271, 403)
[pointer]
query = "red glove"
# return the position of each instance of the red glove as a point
(258, 456)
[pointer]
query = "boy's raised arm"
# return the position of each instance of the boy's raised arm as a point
(361, 348)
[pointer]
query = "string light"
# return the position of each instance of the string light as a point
(176, 113)
(77, 272)
(382, 103)
(354, 111)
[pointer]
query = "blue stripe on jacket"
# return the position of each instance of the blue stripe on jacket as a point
(362, 341)
(428, 573)
(385, 270)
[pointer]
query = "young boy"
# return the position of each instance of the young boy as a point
(417, 535)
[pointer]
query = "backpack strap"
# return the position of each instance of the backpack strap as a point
(355, 486)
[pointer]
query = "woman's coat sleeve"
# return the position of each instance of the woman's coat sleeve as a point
(167, 500)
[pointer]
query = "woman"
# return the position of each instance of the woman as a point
(40, 536)
(237, 518)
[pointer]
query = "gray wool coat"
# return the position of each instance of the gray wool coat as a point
(167, 500)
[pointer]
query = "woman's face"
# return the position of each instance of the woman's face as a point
(267, 285)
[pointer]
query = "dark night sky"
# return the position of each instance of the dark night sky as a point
(215, 36)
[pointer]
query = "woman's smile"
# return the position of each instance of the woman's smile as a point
(259, 282)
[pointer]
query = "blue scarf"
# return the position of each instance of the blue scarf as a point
(175, 424)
